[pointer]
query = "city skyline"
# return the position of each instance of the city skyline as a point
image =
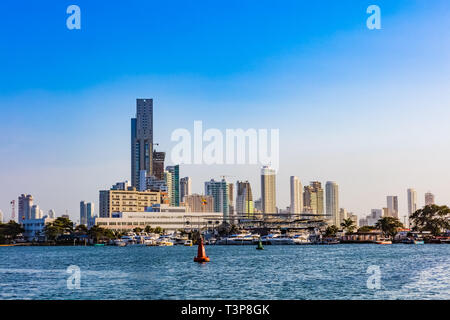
(338, 92)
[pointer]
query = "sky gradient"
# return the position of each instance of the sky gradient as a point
(368, 109)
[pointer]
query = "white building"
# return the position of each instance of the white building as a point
(168, 218)
(332, 202)
(34, 228)
(392, 205)
(296, 196)
(429, 199)
(372, 218)
(268, 190)
(1, 216)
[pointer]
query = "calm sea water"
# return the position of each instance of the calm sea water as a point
(278, 272)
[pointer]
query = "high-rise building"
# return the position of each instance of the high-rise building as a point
(175, 175)
(313, 198)
(244, 199)
(199, 203)
(185, 187)
(219, 190)
(51, 214)
(1, 216)
(169, 184)
(429, 199)
(25, 204)
(268, 190)
(128, 200)
(343, 214)
(412, 201)
(86, 212)
(296, 196)
(142, 140)
(158, 164)
(332, 202)
(392, 205)
(36, 213)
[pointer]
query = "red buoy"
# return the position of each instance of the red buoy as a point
(201, 255)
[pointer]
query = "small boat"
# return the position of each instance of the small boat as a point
(383, 241)
(418, 242)
(99, 245)
(120, 243)
(188, 243)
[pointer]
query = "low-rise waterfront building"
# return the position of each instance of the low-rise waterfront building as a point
(34, 228)
(164, 216)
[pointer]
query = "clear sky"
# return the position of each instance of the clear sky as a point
(368, 109)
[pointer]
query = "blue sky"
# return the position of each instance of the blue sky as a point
(365, 108)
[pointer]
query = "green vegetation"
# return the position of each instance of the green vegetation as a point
(61, 226)
(389, 226)
(348, 225)
(157, 230)
(431, 218)
(9, 231)
(331, 231)
(366, 229)
(100, 234)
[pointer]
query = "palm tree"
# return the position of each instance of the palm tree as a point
(348, 225)
(331, 231)
(389, 226)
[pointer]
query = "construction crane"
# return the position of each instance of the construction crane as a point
(13, 210)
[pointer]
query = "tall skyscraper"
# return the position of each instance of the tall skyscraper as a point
(219, 190)
(185, 187)
(36, 213)
(142, 140)
(158, 164)
(25, 204)
(86, 212)
(313, 198)
(51, 214)
(175, 174)
(1, 216)
(244, 199)
(296, 196)
(268, 190)
(412, 201)
(332, 202)
(429, 199)
(392, 205)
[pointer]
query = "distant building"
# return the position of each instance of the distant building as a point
(313, 198)
(296, 195)
(185, 187)
(219, 190)
(244, 199)
(168, 218)
(158, 164)
(51, 214)
(332, 202)
(412, 201)
(392, 205)
(1, 216)
(429, 199)
(36, 213)
(268, 190)
(343, 214)
(34, 228)
(175, 185)
(86, 212)
(142, 140)
(199, 203)
(129, 200)
(372, 219)
(25, 203)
